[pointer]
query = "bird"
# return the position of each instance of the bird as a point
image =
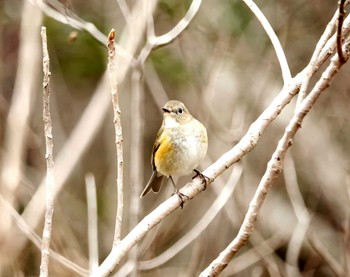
(181, 143)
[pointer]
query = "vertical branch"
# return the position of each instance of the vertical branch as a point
(90, 186)
(136, 171)
(49, 159)
(339, 29)
(118, 133)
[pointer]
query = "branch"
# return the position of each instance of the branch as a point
(246, 144)
(136, 153)
(157, 41)
(50, 182)
(118, 134)
(90, 186)
(36, 240)
(327, 34)
(274, 39)
(273, 170)
(84, 131)
(200, 226)
(339, 30)
(62, 14)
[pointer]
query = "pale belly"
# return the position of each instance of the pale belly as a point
(185, 155)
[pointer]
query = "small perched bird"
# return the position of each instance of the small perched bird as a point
(180, 145)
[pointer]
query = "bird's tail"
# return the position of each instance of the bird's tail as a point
(154, 183)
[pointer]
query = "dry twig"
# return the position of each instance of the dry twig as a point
(118, 134)
(50, 181)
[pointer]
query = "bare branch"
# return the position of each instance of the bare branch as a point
(36, 240)
(339, 30)
(50, 181)
(14, 132)
(286, 75)
(118, 134)
(136, 153)
(156, 41)
(85, 130)
(64, 15)
(273, 170)
(324, 253)
(301, 212)
(246, 144)
(327, 34)
(90, 186)
(200, 226)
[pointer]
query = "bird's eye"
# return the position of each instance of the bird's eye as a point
(180, 110)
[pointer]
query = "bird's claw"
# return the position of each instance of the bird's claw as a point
(204, 178)
(181, 197)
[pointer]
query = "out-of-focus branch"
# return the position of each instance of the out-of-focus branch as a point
(321, 250)
(62, 14)
(274, 168)
(50, 181)
(112, 68)
(91, 201)
(154, 41)
(85, 129)
(274, 39)
(16, 128)
(302, 214)
(136, 152)
(36, 240)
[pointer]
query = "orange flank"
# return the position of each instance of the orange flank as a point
(162, 157)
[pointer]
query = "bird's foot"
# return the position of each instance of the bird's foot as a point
(181, 197)
(205, 179)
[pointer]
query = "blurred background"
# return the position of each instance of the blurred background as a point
(224, 68)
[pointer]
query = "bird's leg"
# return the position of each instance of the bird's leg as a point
(179, 194)
(204, 178)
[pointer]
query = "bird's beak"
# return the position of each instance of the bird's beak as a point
(166, 110)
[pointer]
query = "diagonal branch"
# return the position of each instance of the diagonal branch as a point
(273, 170)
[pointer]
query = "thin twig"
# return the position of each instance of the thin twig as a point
(327, 34)
(273, 170)
(339, 30)
(286, 75)
(157, 41)
(90, 186)
(118, 134)
(50, 181)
